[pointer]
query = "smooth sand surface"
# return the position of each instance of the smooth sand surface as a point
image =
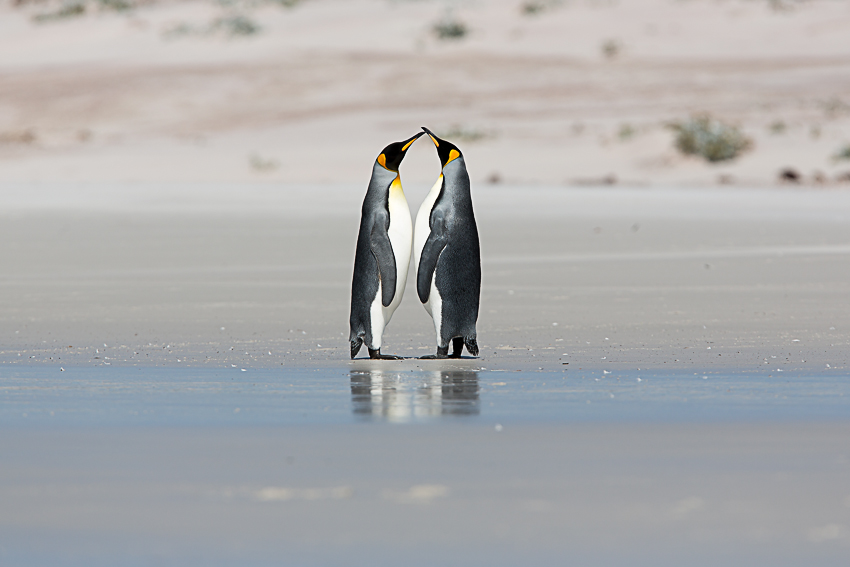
(544, 495)
(744, 280)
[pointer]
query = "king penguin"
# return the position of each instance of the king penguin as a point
(447, 255)
(383, 253)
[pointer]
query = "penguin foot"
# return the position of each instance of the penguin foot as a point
(457, 347)
(442, 352)
(376, 355)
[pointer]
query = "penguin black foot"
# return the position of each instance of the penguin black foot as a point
(442, 352)
(376, 355)
(457, 347)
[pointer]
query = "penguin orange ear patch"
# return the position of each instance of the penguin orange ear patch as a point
(382, 159)
(454, 154)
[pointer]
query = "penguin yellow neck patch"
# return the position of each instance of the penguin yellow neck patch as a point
(382, 159)
(454, 154)
(396, 184)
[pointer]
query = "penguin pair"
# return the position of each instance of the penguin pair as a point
(447, 255)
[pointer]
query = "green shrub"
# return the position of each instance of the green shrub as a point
(236, 25)
(710, 139)
(259, 163)
(116, 5)
(611, 48)
(534, 7)
(531, 7)
(450, 29)
(777, 127)
(178, 30)
(68, 10)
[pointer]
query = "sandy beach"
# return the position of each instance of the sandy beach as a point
(662, 380)
(740, 279)
(664, 340)
(461, 496)
(580, 92)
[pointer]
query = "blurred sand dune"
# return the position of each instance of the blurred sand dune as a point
(577, 93)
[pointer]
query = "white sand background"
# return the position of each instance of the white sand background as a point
(725, 278)
(118, 96)
(192, 201)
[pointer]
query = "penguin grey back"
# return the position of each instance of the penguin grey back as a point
(452, 220)
(374, 223)
(375, 261)
(451, 258)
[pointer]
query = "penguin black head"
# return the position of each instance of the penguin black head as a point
(392, 155)
(446, 150)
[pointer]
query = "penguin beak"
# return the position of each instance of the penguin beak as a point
(409, 142)
(446, 150)
(434, 138)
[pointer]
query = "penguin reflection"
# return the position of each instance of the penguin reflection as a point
(402, 397)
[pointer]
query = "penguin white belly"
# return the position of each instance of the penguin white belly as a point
(434, 305)
(377, 319)
(423, 223)
(400, 233)
(401, 238)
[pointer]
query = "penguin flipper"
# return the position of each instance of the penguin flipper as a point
(382, 248)
(437, 240)
(356, 343)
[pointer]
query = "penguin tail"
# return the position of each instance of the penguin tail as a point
(471, 345)
(356, 343)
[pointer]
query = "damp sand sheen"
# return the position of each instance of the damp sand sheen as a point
(662, 380)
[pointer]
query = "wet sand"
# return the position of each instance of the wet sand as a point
(459, 466)
(176, 386)
(601, 495)
(259, 276)
(409, 393)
